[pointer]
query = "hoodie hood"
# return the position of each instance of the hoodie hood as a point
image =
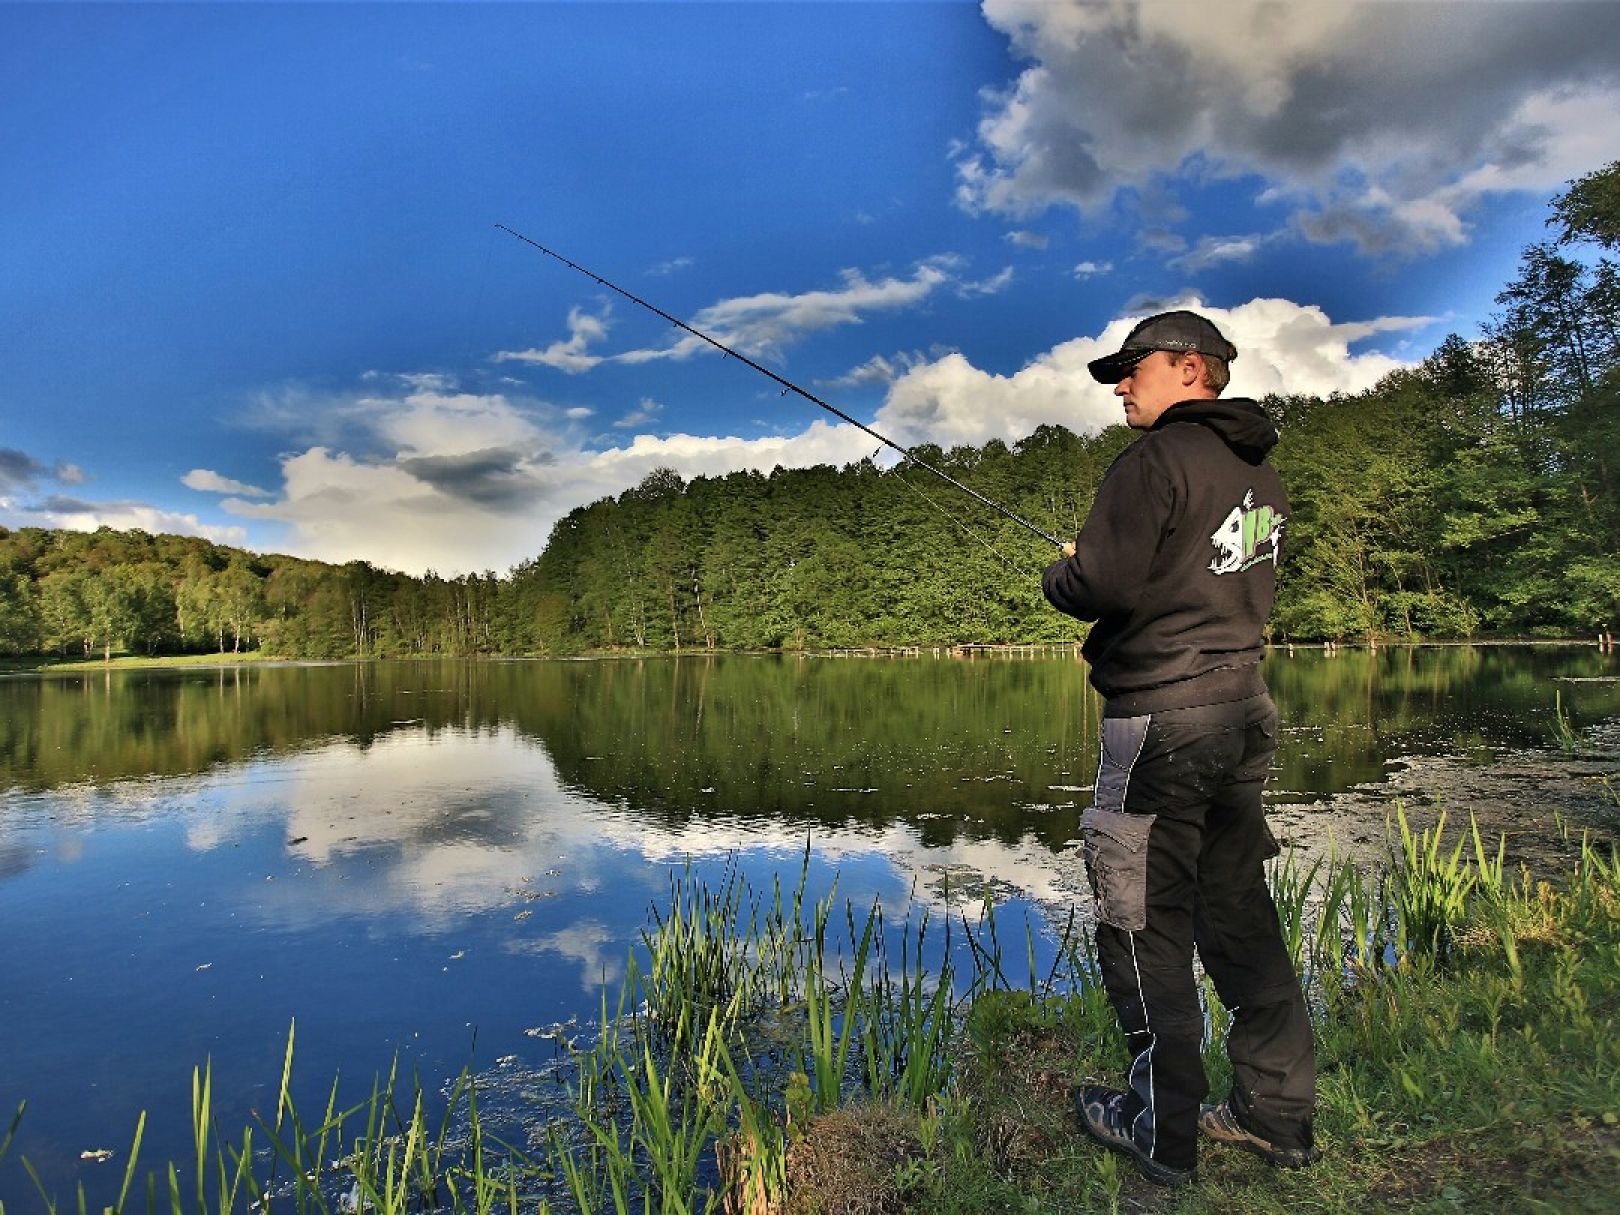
(1241, 423)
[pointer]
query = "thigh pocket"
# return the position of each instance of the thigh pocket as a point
(1116, 846)
(1272, 847)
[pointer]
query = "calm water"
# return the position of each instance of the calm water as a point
(430, 859)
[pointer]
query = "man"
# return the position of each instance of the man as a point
(1177, 567)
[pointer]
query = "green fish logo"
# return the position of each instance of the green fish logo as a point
(1249, 535)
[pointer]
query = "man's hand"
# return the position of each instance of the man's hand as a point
(1068, 548)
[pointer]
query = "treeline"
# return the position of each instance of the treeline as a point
(91, 594)
(1476, 491)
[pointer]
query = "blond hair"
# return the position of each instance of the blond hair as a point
(1216, 374)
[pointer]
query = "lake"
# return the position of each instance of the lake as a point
(441, 861)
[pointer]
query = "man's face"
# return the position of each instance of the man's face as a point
(1155, 384)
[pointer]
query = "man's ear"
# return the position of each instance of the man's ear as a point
(1191, 368)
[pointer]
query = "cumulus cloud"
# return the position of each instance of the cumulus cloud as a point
(1382, 124)
(1092, 269)
(1283, 347)
(500, 478)
(457, 481)
(208, 481)
(85, 515)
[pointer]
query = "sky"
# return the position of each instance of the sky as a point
(252, 287)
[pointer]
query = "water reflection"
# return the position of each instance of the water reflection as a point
(821, 740)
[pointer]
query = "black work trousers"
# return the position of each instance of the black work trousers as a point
(1175, 846)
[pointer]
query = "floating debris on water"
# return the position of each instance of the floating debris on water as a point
(97, 1155)
(557, 1032)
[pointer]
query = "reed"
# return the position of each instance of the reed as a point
(1430, 888)
(1563, 728)
(690, 1058)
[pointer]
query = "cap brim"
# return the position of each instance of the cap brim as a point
(1115, 367)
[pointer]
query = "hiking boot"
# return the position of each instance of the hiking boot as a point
(1219, 1123)
(1102, 1113)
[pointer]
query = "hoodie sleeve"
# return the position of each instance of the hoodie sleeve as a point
(1117, 544)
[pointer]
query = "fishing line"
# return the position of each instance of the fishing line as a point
(787, 386)
(476, 312)
(918, 490)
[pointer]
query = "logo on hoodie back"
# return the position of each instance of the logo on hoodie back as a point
(1249, 535)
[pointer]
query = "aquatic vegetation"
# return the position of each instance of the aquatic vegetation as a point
(1564, 733)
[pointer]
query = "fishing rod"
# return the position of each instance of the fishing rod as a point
(788, 386)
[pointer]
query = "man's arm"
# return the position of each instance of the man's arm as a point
(1104, 571)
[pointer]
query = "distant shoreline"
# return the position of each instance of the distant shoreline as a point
(45, 665)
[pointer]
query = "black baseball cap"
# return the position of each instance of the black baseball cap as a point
(1178, 331)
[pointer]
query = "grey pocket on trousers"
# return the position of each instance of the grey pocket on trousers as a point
(1273, 848)
(1116, 847)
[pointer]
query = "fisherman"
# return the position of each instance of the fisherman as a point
(1176, 566)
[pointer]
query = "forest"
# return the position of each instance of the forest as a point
(1474, 493)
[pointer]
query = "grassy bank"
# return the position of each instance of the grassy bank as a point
(134, 662)
(771, 1056)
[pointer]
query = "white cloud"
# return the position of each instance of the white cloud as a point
(879, 369)
(645, 411)
(1217, 250)
(994, 285)
(1383, 124)
(767, 323)
(1283, 347)
(568, 355)
(1027, 240)
(462, 482)
(81, 515)
(1092, 269)
(208, 481)
(671, 266)
(578, 412)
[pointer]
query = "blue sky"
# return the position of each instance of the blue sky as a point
(250, 284)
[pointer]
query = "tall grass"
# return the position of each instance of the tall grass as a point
(744, 1017)
(364, 1158)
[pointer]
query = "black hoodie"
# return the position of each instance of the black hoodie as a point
(1177, 562)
